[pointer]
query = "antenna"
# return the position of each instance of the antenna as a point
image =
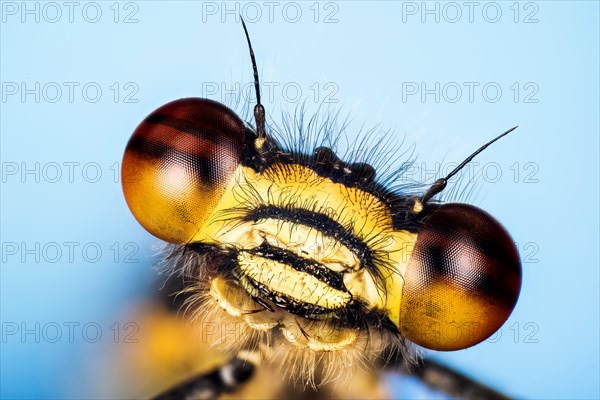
(440, 184)
(259, 110)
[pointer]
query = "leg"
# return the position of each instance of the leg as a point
(210, 385)
(447, 380)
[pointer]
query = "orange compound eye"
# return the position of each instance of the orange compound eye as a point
(178, 163)
(462, 281)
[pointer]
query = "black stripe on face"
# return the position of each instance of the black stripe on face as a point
(285, 302)
(319, 271)
(315, 220)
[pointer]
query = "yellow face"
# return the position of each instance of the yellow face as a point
(308, 249)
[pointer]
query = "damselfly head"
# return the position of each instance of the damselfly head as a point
(311, 250)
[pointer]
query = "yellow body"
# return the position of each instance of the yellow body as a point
(169, 350)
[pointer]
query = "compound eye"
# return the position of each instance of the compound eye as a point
(462, 281)
(178, 163)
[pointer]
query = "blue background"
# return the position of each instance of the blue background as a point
(366, 54)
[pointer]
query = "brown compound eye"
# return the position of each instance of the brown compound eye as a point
(178, 163)
(462, 281)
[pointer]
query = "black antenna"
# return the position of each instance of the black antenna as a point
(259, 110)
(440, 184)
